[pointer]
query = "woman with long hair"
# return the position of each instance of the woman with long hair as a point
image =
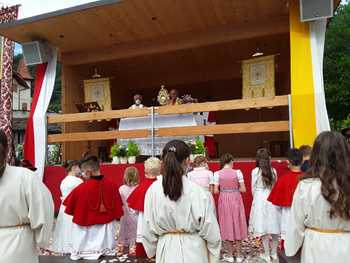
(179, 220)
(265, 218)
(319, 224)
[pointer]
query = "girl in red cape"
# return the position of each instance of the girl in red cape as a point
(283, 191)
(136, 200)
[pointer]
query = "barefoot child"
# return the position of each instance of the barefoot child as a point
(128, 222)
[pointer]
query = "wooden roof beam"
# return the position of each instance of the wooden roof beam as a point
(181, 41)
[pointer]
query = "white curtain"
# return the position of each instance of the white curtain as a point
(317, 38)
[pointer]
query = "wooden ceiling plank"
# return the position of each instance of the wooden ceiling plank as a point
(178, 42)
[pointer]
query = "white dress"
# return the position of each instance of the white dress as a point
(265, 218)
(311, 210)
(26, 215)
(63, 230)
(192, 214)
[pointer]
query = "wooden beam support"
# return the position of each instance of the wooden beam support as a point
(250, 127)
(177, 109)
(224, 105)
(217, 35)
(98, 136)
(94, 116)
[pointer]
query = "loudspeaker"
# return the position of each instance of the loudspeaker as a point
(35, 52)
(315, 9)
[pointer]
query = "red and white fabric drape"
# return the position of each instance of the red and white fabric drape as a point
(35, 141)
(6, 15)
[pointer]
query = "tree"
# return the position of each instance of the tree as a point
(337, 67)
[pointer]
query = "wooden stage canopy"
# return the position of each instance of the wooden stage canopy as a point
(195, 46)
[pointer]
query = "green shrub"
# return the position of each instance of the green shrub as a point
(121, 152)
(114, 150)
(133, 149)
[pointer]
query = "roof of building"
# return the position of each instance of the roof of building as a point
(23, 70)
(21, 81)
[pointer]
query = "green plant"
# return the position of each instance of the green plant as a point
(197, 147)
(19, 151)
(121, 152)
(114, 150)
(133, 149)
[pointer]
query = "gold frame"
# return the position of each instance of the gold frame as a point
(100, 83)
(264, 87)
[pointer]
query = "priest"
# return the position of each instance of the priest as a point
(137, 102)
(26, 209)
(174, 97)
(95, 206)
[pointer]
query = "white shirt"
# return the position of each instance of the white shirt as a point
(216, 177)
(201, 176)
(134, 106)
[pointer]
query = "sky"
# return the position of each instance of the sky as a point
(30, 8)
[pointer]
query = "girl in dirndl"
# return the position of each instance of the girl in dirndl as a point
(128, 222)
(232, 219)
(265, 218)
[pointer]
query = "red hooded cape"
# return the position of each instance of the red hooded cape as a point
(136, 199)
(283, 191)
(96, 201)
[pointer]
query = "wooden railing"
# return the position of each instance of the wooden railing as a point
(252, 127)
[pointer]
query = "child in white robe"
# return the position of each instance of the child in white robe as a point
(26, 209)
(319, 223)
(179, 222)
(61, 237)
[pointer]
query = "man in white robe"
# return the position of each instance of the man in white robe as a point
(184, 231)
(27, 214)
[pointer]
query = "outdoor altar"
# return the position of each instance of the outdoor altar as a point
(153, 145)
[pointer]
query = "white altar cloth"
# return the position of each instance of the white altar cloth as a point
(160, 121)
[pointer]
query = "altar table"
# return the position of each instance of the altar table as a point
(160, 121)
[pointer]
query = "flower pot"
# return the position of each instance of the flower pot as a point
(115, 160)
(132, 159)
(123, 160)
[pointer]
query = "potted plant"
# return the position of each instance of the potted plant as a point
(132, 151)
(114, 153)
(197, 148)
(122, 154)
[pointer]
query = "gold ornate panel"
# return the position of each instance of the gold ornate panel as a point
(258, 77)
(98, 90)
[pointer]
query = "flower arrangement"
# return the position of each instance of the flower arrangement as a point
(133, 149)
